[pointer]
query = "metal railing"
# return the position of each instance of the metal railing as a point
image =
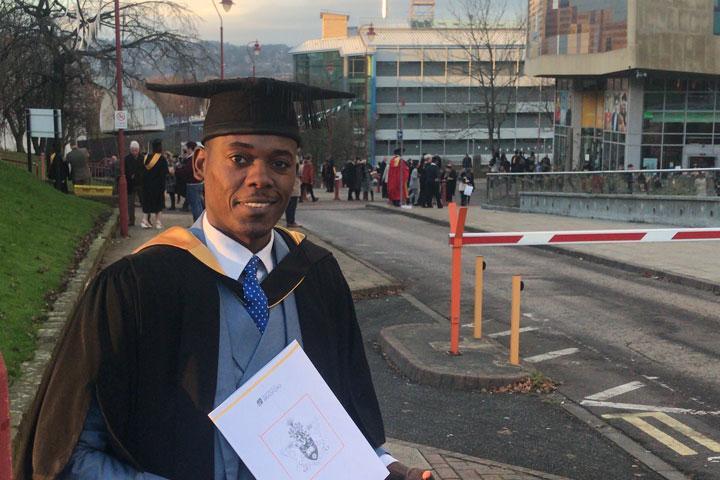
(504, 189)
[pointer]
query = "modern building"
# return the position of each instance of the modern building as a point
(418, 86)
(638, 81)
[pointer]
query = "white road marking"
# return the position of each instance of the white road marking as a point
(615, 391)
(506, 333)
(551, 355)
(647, 408)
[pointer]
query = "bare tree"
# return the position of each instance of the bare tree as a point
(51, 50)
(494, 46)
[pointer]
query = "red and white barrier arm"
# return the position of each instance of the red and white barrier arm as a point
(576, 237)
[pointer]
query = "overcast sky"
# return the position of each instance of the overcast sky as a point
(293, 21)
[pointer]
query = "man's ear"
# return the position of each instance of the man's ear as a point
(199, 162)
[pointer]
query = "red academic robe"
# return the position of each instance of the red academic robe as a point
(398, 175)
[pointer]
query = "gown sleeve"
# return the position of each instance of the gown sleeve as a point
(90, 459)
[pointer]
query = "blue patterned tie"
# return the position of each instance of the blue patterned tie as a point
(256, 301)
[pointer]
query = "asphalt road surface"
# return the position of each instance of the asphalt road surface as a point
(641, 353)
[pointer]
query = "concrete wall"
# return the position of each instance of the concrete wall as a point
(677, 35)
(668, 35)
(676, 211)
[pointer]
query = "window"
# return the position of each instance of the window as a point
(457, 95)
(433, 120)
(461, 69)
(409, 95)
(387, 95)
(433, 95)
(716, 18)
(386, 69)
(386, 122)
(434, 69)
(457, 120)
(409, 69)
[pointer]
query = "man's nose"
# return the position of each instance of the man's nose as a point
(258, 174)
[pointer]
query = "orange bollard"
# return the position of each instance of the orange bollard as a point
(338, 184)
(479, 284)
(5, 448)
(515, 320)
(458, 225)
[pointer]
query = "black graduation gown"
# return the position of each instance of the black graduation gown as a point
(145, 341)
(153, 186)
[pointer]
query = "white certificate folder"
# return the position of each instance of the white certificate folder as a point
(285, 423)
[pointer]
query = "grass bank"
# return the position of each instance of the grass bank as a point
(41, 230)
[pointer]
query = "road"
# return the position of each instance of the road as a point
(639, 352)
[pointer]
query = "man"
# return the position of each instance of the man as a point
(430, 183)
(164, 336)
(59, 171)
(78, 161)
(195, 187)
(397, 177)
(308, 178)
(153, 186)
(133, 176)
(381, 173)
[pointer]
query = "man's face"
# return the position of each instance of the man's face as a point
(248, 183)
(134, 151)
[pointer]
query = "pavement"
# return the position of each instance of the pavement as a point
(485, 367)
(695, 264)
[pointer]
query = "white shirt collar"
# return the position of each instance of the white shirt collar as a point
(232, 255)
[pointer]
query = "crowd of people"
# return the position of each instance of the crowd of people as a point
(159, 175)
(519, 163)
(425, 182)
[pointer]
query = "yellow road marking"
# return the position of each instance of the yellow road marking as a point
(638, 420)
(706, 442)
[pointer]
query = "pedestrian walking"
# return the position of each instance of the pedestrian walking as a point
(397, 177)
(133, 178)
(170, 179)
(467, 185)
(153, 187)
(382, 166)
(294, 197)
(308, 178)
(195, 187)
(59, 171)
(451, 177)
(351, 181)
(414, 184)
(77, 160)
(139, 367)
(364, 172)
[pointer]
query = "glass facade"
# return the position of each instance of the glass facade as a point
(678, 112)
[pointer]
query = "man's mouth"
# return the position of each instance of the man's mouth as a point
(258, 204)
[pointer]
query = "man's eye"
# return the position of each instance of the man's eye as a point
(240, 159)
(281, 164)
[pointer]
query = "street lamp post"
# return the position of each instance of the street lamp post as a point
(253, 50)
(227, 4)
(122, 181)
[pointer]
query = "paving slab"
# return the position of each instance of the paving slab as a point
(447, 465)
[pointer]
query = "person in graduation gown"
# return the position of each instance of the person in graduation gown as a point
(397, 177)
(165, 335)
(153, 186)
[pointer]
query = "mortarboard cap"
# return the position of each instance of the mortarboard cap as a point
(262, 106)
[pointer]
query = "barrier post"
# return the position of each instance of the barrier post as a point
(457, 224)
(5, 448)
(479, 283)
(338, 184)
(515, 320)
